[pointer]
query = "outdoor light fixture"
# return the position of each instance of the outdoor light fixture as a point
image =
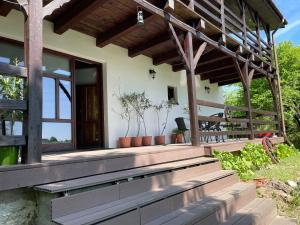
(152, 73)
(207, 89)
(140, 16)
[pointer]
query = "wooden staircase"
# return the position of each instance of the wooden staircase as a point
(186, 191)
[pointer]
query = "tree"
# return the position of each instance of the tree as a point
(261, 97)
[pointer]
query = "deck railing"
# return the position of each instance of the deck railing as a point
(235, 121)
(235, 30)
(13, 105)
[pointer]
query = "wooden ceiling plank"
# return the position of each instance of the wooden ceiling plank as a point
(121, 29)
(148, 44)
(75, 14)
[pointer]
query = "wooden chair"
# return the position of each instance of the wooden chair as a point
(181, 126)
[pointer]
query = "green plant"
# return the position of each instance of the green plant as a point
(176, 131)
(159, 108)
(285, 151)
(125, 114)
(140, 104)
(251, 158)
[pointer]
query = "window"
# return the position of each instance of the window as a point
(11, 54)
(56, 65)
(172, 95)
(57, 133)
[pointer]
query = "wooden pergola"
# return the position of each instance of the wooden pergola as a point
(213, 39)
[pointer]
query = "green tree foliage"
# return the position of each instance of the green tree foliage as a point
(261, 97)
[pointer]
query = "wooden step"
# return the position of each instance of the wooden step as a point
(258, 212)
(121, 175)
(177, 195)
(213, 209)
(283, 221)
(84, 199)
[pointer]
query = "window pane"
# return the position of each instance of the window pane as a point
(48, 98)
(65, 99)
(56, 65)
(57, 133)
(11, 54)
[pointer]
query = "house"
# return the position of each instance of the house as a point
(76, 57)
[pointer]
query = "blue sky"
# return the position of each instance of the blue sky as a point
(291, 10)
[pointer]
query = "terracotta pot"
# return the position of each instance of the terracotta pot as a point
(125, 142)
(177, 138)
(174, 138)
(160, 140)
(147, 140)
(136, 141)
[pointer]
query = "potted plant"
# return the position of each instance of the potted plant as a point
(177, 136)
(165, 105)
(11, 88)
(136, 106)
(125, 142)
(144, 105)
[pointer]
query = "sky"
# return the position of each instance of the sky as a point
(291, 11)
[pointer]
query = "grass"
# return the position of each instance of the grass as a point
(287, 169)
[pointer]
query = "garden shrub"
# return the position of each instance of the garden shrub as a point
(251, 158)
(285, 151)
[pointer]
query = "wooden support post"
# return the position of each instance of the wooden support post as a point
(274, 90)
(191, 86)
(243, 14)
(33, 57)
(223, 24)
(245, 78)
(257, 26)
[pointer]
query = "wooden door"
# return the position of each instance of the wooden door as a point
(88, 116)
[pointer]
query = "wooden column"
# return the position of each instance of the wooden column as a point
(246, 81)
(33, 58)
(274, 89)
(191, 86)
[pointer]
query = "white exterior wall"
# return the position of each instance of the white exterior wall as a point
(120, 71)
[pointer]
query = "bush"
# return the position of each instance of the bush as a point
(251, 158)
(285, 151)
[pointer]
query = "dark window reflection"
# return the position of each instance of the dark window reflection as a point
(11, 54)
(56, 65)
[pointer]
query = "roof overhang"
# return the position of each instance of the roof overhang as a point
(268, 12)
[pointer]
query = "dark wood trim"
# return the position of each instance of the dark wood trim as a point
(15, 71)
(12, 141)
(5, 8)
(59, 147)
(13, 104)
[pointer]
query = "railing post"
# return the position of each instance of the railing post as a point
(33, 57)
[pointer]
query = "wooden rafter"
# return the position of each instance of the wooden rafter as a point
(5, 8)
(166, 57)
(52, 6)
(127, 26)
(76, 13)
(148, 44)
(206, 76)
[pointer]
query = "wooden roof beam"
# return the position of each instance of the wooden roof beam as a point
(148, 44)
(5, 8)
(218, 73)
(75, 14)
(121, 29)
(165, 57)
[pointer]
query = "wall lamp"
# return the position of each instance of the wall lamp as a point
(140, 16)
(207, 89)
(152, 73)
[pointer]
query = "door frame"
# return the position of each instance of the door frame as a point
(100, 94)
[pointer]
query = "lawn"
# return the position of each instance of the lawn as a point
(287, 169)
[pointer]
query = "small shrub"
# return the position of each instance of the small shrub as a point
(284, 151)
